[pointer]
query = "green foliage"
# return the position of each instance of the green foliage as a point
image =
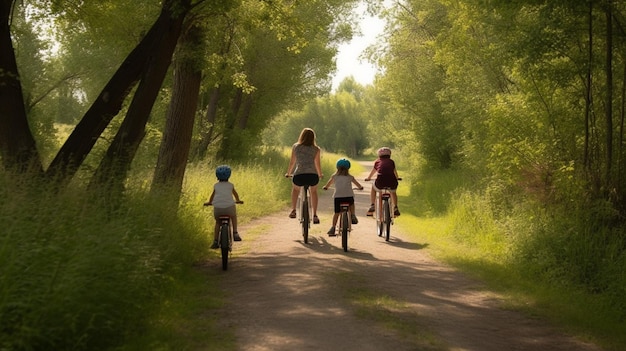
(301, 36)
(339, 122)
(249, 179)
(565, 262)
(75, 276)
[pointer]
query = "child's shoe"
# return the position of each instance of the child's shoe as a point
(331, 232)
(236, 236)
(215, 245)
(396, 212)
(371, 210)
(355, 220)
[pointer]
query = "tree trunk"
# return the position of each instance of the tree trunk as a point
(207, 137)
(588, 95)
(108, 104)
(227, 146)
(18, 149)
(609, 96)
(114, 167)
(245, 115)
(176, 142)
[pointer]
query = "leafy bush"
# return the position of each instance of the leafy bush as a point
(575, 249)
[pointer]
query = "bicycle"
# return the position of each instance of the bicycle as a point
(226, 237)
(382, 212)
(345, 224)
(303, 210)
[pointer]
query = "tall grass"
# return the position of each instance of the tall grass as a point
(76, 275)
(564, 261)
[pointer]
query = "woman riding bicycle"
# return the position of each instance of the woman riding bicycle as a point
(386, 177)
(305, 157)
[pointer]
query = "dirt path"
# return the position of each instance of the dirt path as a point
(287, 295)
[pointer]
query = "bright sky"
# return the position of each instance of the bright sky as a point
(348, 61)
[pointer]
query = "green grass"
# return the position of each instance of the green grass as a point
(77, 274)
(565, 278)
(74, 275)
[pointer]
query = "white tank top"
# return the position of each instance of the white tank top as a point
(223, 196)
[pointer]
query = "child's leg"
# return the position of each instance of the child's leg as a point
(394, 198)
(372, 195)
(335, 218)
(234, 221)
(217, 229)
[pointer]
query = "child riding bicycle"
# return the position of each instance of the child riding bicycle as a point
(223, 203)
(387, 177)
(343, 191)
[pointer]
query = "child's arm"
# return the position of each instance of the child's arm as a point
(210, 202)
(236, 196)
(369, 177)
(357, 183)
(330, 182)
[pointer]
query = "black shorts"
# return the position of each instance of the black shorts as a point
(309, 179)
(339, 200)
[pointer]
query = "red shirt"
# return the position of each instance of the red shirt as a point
(386, 176)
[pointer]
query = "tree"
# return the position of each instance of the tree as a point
(114, 167)
(176, 142)
(18, 149)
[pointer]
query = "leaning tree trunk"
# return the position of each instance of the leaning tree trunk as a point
(114, 167)
(108, 104)
(176, 142)
(18, 150)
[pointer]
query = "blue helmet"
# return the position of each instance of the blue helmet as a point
(343, 163)
(222, 172)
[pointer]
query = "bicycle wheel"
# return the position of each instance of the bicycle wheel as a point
(305, 220)
(344, 231)
(387, 220)
(379, 220)
(224, 245)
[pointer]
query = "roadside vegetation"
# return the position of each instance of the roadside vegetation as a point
(557, 264)
(506, 119)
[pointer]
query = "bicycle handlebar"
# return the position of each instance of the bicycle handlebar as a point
(210, 204)
(369, 179)
(291, 175)
(361, 188)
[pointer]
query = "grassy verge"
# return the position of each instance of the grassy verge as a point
(554, 267)
(75, 274)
